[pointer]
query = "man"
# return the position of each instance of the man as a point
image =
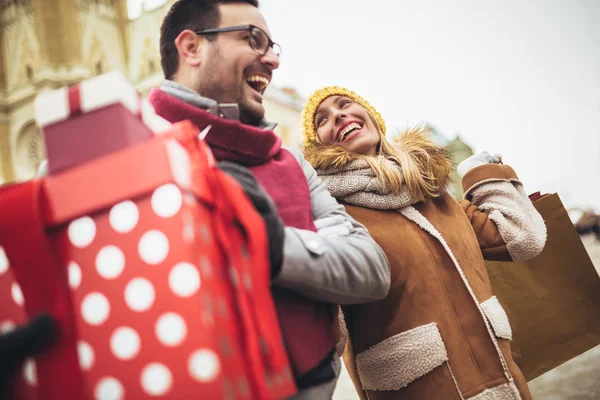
(218, 59)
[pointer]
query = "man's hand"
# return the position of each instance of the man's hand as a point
(265, 207)
(23, 342)
(477, 160)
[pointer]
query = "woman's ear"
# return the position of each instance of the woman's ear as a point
(189, 46)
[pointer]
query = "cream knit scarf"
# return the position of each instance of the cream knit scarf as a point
(356, 184)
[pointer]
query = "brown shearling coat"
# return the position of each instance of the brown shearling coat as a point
(441, 333)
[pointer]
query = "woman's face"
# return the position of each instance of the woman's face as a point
(341, 120)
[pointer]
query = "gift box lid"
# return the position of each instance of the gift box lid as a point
(54, 106)
(125, 175)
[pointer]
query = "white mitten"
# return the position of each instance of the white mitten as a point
(476, 160)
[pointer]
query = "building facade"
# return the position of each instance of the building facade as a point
(47, 44)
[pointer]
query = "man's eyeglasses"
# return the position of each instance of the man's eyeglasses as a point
(257, 38)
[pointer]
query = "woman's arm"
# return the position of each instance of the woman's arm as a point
(505, 221)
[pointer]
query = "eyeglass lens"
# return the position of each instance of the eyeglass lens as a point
(260, 42)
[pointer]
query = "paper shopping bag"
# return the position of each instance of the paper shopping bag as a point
(552, 300)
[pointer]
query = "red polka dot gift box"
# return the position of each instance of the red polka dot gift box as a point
(155, 268)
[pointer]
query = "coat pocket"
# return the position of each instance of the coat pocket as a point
(398, 360)
(497, 317)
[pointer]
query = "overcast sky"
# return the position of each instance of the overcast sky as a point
(512, 77)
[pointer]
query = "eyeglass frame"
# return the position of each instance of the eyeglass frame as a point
(248, 28)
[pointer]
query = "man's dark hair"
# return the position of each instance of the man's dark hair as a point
(195, 15)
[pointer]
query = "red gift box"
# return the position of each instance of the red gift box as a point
(94, 118)
(154, 265)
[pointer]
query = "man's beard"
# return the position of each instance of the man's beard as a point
(213, 88)
(250, 115)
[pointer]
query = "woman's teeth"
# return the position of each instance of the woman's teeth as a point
(347, 130)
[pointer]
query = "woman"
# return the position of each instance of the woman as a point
(440, 333)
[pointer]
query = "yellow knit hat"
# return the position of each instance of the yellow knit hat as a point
(309, 133)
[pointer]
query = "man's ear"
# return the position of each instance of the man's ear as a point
(189, 46)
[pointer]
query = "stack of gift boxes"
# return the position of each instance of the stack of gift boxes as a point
(151, 261)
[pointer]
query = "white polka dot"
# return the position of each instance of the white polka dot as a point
(7, 326)
(153, 247)
(189, 199)
(156, 379)
(184, 279)
(95, 309)
(74, 275)
(82, 232)
(17, 295)
(139, 294)
(167, 200)
(204, 232)
(188, 228)
(85, 354)
(109, 389)
(30, 372)
(125, 343)
(204, 365)
(171, 329)
(124, 216)
(3, 261)
(110, 262)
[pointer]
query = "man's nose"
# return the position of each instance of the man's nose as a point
(270, 59)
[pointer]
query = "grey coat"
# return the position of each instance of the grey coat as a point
(337, 269)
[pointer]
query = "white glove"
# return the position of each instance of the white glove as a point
(333, 226)
(476, 160)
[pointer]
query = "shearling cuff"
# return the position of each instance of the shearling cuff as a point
(487, 173)
(398, 360)
(506, 391)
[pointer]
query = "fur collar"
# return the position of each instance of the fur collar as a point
(433, 162)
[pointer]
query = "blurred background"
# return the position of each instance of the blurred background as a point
(517, 78)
